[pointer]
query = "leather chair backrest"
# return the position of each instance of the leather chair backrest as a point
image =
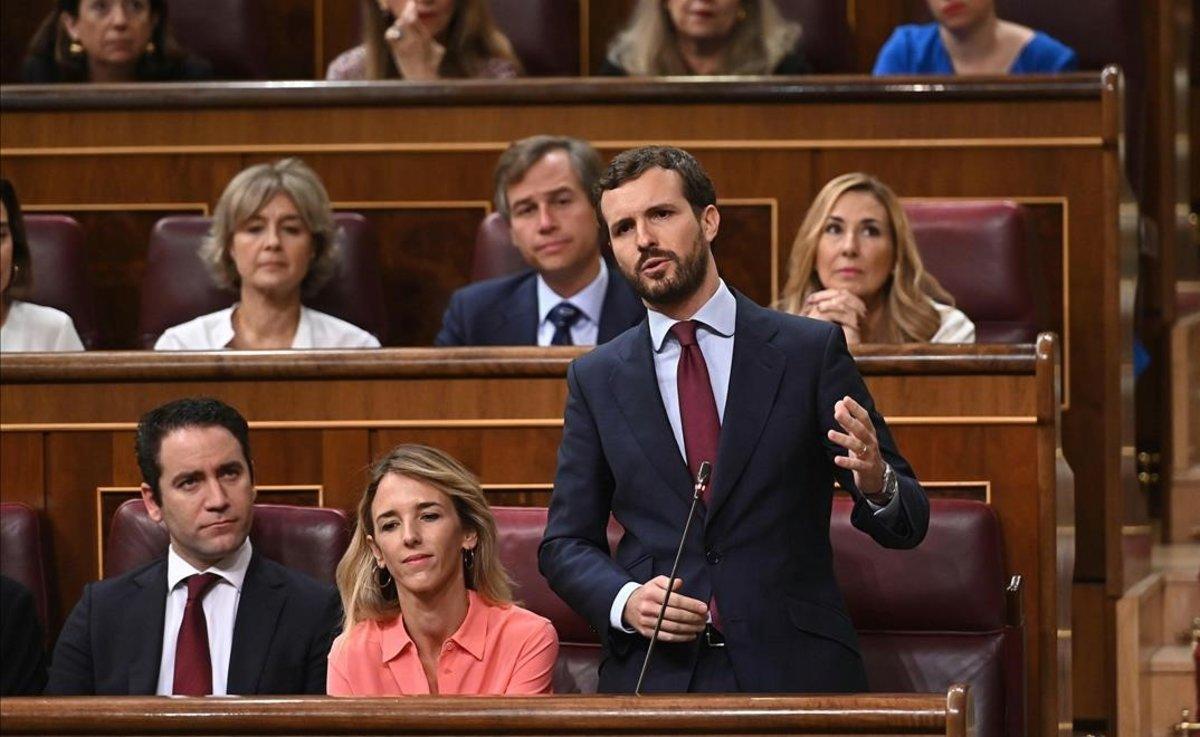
(495, 255)
(544, 33)
(927, 617)
(178, 287)
(308, 539)
(980, 251)
(58, 255)
(825, 33)
(230, 34)
(23, 553)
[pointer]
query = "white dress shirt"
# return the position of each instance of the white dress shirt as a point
(220, 612)
(30, 327)
(214, 332)
(955, 327)
(714, 335)
(589, 301)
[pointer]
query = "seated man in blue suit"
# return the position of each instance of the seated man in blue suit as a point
(213, 616)
(775, 403)
(568, 296)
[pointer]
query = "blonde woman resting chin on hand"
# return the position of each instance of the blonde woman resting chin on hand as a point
(855, 263)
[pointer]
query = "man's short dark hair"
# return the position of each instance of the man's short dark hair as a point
(521, 155)
(188, 412)
(629, 165)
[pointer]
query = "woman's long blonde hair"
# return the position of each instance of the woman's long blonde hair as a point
(909, 315)
(647, 47)
(472, 40)
(362, 597)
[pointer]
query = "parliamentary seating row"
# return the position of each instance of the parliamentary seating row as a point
(946, 612)
(982, 251)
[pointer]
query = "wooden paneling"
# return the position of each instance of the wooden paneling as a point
(960, 414)
(947, 714)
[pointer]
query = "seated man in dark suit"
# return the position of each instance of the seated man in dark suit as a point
(213, 616)
(569, 296)
(22, 656)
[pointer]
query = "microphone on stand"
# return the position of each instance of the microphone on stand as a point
(697, 492)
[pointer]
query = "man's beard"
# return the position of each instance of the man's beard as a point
(683, 283)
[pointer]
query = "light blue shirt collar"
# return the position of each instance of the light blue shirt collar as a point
(719, 314)
(589, 300)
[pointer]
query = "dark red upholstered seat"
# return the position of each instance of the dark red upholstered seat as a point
(825, 33)
(495, 254)
(58, 251)
(23, 553)
(230, 34)
(980, 251)
(308, 539)
(544, 33)
(177, 286)
(927, 617)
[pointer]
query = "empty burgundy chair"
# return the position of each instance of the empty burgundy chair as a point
(939, 613)
(58, 250)
(23, 553)
(178, 287)
(980, 252)
(825, 33)
(230, 34)
(544, 33)
(495, 254)
(307, 539)
(521, 530)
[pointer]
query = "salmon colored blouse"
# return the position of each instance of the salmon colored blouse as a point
(496, 650)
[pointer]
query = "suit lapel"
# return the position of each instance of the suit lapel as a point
(144, 622)
(753, 384)
(260, 604)
(635, 386)
(518, 322)
(621, 307)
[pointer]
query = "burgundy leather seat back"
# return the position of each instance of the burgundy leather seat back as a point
(178, 287)
(230, 34)
(495, 254)
(58, 252)
(520, 531)
(936, 614)
(825, 33)
(544, 33)
(980, 252)
(23, 553)
(308, 539)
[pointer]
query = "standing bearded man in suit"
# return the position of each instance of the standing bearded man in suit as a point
(567, 296)
(775, 403)
(214, 616)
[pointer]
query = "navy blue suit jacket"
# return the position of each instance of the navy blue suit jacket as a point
(112, 642)
(761, 546)
(504, 311)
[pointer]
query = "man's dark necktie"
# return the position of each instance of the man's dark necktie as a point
(697, 412)
(193, 665)
(562, 317)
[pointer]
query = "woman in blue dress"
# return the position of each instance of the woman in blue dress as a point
(968, 38)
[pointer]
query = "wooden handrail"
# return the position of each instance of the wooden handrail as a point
(946, 714)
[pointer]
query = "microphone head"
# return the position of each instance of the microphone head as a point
(704, 472)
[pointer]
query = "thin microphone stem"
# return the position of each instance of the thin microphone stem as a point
(697, 492)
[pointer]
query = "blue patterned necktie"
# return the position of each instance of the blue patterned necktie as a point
(562, 317)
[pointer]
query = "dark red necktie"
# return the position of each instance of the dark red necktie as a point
(193, 665)
(697, 407)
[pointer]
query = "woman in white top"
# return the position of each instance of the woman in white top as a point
(273, 239)
(855, 263)
(25, 326)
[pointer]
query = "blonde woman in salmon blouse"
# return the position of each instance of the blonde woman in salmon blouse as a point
(428, 605)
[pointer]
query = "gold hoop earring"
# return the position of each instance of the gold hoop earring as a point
(383, 577)
(75, 48)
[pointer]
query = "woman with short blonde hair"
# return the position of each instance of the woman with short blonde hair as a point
(855, 262)
(272, 240)
(423, 569)
(670, 38)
